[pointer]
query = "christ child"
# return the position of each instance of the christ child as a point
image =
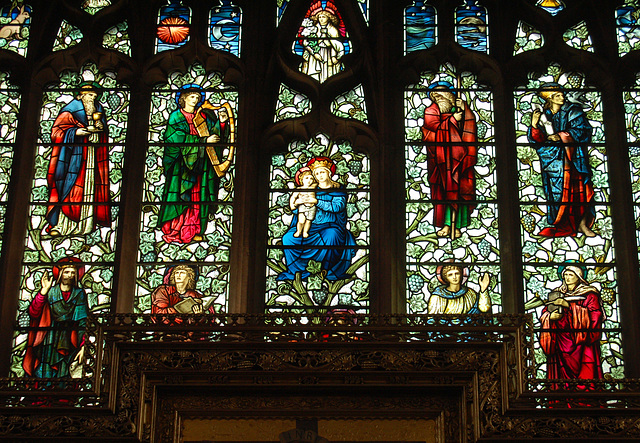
(304, 201)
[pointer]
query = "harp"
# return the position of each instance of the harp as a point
(200, 123)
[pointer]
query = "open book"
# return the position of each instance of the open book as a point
(185, 306)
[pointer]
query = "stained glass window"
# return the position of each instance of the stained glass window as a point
(291, 104)
(68, 36)
(351, 105)
(528, 38)
(117, 38)
(188, 194)
(281, 6)
(632, 112)
(628, 25)
(419, 27)
(578, 37)
(9, 107)
(15, 21)
(364, 7)
(95, 6)
(318, 240)
(471, 26)
(70, 246)
(322, 41)
(553, 7)
(567, 235)
(224, 27)
(451, 206)
(173, 26)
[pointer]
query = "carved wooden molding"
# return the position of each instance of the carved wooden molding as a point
(472, 375)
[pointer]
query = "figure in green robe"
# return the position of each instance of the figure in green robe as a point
(193, 165)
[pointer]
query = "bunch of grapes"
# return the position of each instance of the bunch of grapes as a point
(484, 247)
(113, 99)
(355, 167)
(528, 222)
(608, 296)
(320, 296)
(634, 151)
(416, 282)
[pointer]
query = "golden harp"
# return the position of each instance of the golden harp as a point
(203, 131)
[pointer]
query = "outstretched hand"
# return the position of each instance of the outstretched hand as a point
(46, 283)
(484, 281)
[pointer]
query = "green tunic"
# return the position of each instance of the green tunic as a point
(187, 165)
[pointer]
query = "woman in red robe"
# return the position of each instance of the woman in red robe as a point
(572, 329)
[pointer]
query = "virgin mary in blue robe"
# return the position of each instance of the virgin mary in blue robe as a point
(329, 242)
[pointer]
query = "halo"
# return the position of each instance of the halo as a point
(577, 264)
(169, 269)
(448, 262)
(440, 85)
(191, 87)
(66, 262)
(90, 86)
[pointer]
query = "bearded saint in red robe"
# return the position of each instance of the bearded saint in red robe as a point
(450, 126)
(78, 175)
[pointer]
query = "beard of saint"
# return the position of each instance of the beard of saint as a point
(89, 104)
(445, 101)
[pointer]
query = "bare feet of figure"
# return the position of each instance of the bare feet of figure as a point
(582, 227)
(444, 232)
(296, 234)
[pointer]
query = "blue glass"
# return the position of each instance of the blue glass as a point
(471, 26)
(420, 26)
(173, 26)
(551, 6)
(281, 6)
(628, 29)
(224, 29)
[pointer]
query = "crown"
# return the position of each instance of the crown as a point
(321, 164)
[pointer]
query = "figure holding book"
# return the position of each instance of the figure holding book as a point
(178, 295)
(572, 327)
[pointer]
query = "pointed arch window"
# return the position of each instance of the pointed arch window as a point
(451, 204)
(568, 252)
(188, 192)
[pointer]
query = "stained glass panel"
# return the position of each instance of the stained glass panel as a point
(471, 26)
(567, 235)
(553, 7)
(451, 216)
(628, 24)
(632, 112)
(351, 105)
(174, 25)
(71, 237)
(224, 27)
(322, 41)
(68, 36)
(9, 108)
(528, 38)
(281, 6)
(364, 7)
(117, 38)
(318, 241)
(291, 104)
(15, 22)
(188, 193)
(578, 37)
(95, 6)
(419, 27)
